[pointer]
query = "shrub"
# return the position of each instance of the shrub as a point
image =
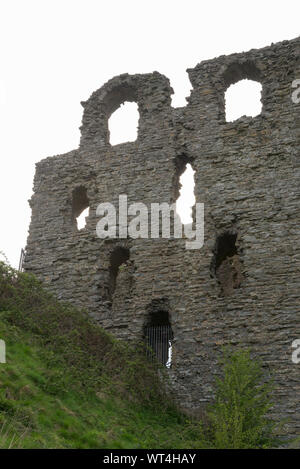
(238, 418)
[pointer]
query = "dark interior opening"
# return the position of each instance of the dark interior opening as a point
(118, 257)
(159, 318)
(225, 248)
(227, 266)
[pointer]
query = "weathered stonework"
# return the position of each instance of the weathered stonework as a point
(247, 175)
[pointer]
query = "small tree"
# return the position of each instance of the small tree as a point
(238, 416)
(3, 258)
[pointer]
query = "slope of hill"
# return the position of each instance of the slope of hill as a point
(68, 384)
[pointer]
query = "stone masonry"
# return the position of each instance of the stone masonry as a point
(242, 286)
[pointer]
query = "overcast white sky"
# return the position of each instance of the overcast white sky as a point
(54, 54)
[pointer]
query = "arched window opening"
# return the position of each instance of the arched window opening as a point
(243, 99)
(227, 264)
(123, 123)
(80, 207)
(118, 258)
(159, 337)
(186, 199)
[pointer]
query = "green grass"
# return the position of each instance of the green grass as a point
(69, 384)
(43, 406)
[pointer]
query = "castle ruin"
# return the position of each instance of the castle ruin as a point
(242, 287)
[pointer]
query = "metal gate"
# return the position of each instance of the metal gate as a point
(159, 344)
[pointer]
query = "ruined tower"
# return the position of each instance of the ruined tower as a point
(242, 286)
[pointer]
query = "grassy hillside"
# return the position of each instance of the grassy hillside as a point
(69, 384)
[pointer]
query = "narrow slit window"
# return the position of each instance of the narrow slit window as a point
(81, 219)
(118, 258)
(227, 264)
(80, 207)
(186, 199)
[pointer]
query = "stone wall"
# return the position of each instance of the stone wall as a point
(242, 286)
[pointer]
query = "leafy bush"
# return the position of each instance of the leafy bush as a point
(238, 418)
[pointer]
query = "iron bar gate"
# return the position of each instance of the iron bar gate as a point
(159, 344)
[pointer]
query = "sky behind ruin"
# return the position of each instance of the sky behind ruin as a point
(54, 54)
